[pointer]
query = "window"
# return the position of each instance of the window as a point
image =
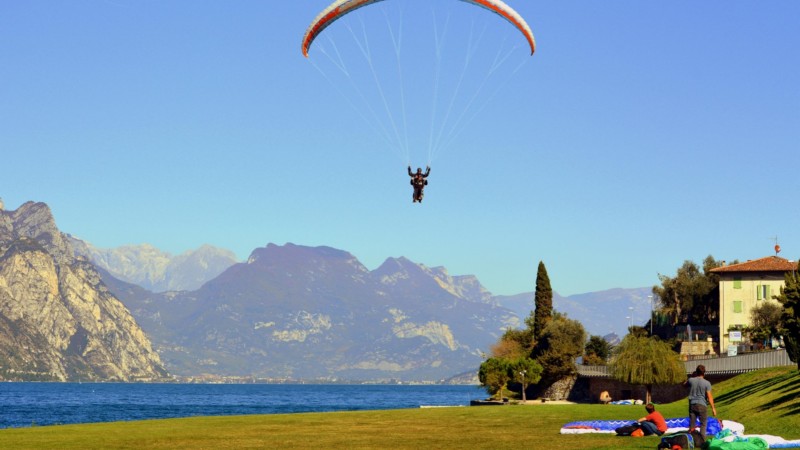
(763, 292)
(737, 282)
(737, 306)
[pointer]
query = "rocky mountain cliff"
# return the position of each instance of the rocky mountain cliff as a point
(58, 321)
(300, 312)
(156, 270)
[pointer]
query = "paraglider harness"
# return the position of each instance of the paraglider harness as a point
(419, 182)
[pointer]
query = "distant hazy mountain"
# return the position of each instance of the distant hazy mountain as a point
(301, 312)
(601, 313)
(58, 321)
(156, 270)
(288, 312)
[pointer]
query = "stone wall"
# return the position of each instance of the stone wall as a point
(697, 348)
(562, 389)
(589, 390)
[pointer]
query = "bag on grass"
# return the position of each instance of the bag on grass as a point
(683, 440)
(626, 430)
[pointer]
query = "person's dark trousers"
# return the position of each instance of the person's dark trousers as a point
(650, 428)
(700, 411)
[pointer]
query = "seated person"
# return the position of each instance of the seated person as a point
(653, 422)
(605, 397)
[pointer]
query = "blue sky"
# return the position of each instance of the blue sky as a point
(639, 135)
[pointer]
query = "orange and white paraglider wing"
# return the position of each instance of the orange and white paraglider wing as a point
(340, 8)
(329, 15)
(510, 15)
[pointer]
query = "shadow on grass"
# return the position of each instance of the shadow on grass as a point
(793, 384)
(785, 404)
(748, 390)
(791, 410)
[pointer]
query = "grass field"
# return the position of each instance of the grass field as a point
(767, 402)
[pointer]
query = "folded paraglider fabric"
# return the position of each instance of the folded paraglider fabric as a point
(730, 440)
(673, 425)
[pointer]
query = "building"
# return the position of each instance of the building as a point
(744, 286)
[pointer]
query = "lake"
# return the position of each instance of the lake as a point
(37, 404)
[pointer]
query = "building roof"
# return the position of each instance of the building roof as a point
(768, 264)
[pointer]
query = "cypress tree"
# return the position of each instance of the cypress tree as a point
(543, 301)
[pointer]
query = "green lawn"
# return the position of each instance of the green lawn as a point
(767, 402)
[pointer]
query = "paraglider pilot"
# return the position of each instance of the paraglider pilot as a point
(418, 180)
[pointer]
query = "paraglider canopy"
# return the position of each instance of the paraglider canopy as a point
(340, 8)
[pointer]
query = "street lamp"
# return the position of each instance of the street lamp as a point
(630, 308)
(522, 374)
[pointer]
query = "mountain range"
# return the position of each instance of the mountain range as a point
(295, 312)
(401, 321)
(603, 312)
(288, 312)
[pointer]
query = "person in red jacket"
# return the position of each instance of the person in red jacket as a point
(653, 422)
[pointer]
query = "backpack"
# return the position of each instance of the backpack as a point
(626, 430)
(683, 440)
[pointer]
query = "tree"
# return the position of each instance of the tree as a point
(765, 322)
(543, 302)
(526, 371)
(692, 296)
(596, 351)
(513, 344)
(790, 317)
(561, 343)
(494, 375)
(646, 361)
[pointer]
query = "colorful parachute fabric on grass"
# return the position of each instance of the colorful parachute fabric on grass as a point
(738, 443)
(728, 435)
(782, 443)
(730, 440)
(608, 426)
(626, 402)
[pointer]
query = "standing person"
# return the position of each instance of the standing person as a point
(653, 422)
(699, 399)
